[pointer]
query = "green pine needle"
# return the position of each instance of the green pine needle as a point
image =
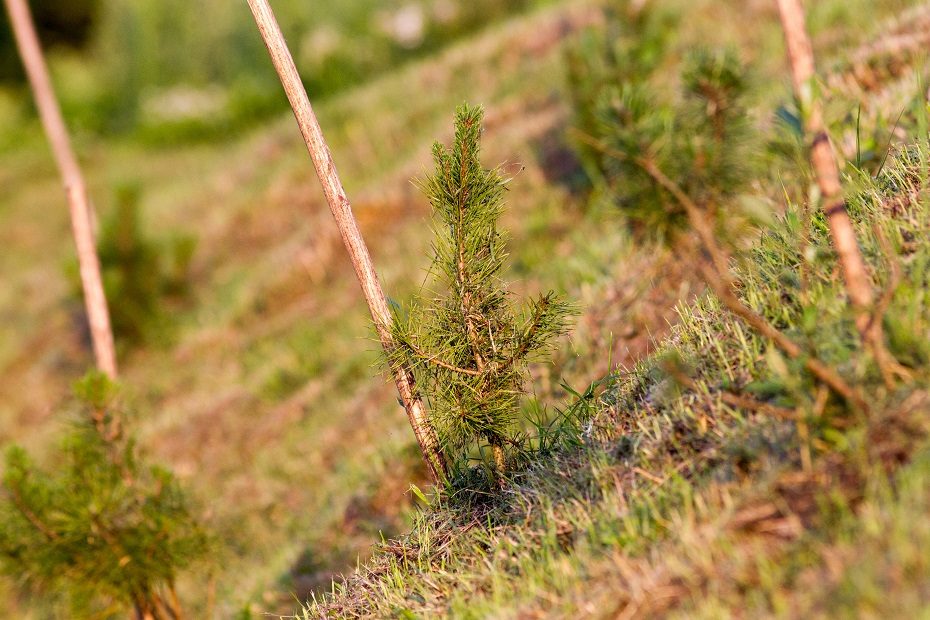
(468, 344)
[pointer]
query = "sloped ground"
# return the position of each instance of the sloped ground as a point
(713, 479)
(265, 402)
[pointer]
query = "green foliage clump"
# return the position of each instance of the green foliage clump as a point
(356, 42)
(633, 44)
(103, 529)
(698, 140)
(142, 277)
(628, 119)
(467, 344)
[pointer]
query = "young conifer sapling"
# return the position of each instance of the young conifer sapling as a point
(102, 530)
(468, 345)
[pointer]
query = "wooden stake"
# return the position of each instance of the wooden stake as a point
(36, 70)
(348, 227)
(823, 160)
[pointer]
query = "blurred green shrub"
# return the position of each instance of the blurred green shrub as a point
(633, 43)
(102, 530)
(143, 278)
(628, 110)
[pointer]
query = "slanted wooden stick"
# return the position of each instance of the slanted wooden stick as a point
(36, 70)
(823, 159)
(348, 227)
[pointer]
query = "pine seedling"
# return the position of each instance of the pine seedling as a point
(696, 135)
(467, 344)
(103, 530)
(688, 165)
(147, 275)
(714, 121)
(632, 46)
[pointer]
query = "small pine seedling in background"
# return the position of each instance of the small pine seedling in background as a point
(632, 45)
(685, 161)
(144, 277)
(468, 345)
(697, 136)
(103, 530)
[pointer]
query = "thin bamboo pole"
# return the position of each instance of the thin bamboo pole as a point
(823, 159)
(348, 227)
(36, 70)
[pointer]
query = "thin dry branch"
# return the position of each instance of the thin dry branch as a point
(95, 301)
(820, 370)
(348, 227)
(889, 367)
(432, 359)
(734, 400)
(30, 516)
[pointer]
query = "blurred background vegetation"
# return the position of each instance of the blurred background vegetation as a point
(159, 69)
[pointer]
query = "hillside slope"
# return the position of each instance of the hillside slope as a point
(265, 398)
(714, 478)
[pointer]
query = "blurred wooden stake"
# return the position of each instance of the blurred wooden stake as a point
(869, 316)
(94, 299)
(823, 159)
(348, 227)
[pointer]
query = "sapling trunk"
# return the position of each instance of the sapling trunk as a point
(348, 227)
(95, 301)
(497, 451)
